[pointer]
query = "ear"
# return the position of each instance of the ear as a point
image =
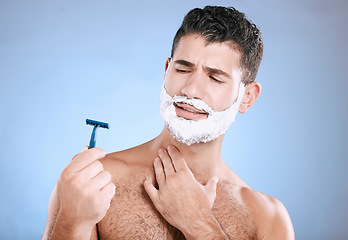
(166, 66)
(252, 92)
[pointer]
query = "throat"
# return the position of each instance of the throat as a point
(204, 168)
(203, 159)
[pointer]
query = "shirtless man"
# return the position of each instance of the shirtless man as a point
(177, 186)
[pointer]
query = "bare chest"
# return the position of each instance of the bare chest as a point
(133, 216)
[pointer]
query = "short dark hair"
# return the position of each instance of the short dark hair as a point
(226, 24)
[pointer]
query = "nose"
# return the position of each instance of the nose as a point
(195, 86)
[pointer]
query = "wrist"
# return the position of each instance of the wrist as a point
(67, 228)
(207, 228)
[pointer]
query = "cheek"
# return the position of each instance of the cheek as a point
(173, 85)
(221, 98)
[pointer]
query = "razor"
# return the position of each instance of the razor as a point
(96, 124)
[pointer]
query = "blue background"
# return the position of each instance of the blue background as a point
(64, 61)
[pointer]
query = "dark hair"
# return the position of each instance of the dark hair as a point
(226, 24)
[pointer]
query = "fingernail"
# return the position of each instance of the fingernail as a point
(161, 152)
(170, 148)
(216, 179)
(156, 161)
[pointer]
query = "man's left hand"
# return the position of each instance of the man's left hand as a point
(180, 198)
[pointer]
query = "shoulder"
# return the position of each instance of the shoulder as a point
(127, 163)
(270, 215)
(115, 164)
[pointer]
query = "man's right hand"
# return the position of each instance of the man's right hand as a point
(84, 190)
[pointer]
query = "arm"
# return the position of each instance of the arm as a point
(80, 199)
(209, 228)
(181, 199)
(52, 214)
(279, 223)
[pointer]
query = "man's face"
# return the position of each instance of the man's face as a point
(210, 73)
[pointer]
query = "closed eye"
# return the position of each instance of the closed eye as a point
(215, 80)
(182, 71)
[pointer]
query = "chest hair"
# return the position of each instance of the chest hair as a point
(133, 216)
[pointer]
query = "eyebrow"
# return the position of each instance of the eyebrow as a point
(217, 72)
(184, 62)
(208, 69)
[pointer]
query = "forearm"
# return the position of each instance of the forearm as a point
(65, 229)
(208, 228)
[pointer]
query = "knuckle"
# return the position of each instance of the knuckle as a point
(110, 196)
(174, 153)
(98, 151)
(103, 152)
(107, 176)
(168, 166)
(113, 188)
(96, 198)
(110, 189)
(95, 201)
(65, 175)
(170, 178)
(99, 165)
(85, 193)
(76, 181)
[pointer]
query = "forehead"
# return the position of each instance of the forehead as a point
(194, 48)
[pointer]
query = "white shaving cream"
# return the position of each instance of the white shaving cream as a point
(201, 131)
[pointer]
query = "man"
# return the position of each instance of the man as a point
(177, 185)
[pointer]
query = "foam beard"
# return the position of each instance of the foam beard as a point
(202, 131)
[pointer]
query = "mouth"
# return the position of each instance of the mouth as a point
(189, 112)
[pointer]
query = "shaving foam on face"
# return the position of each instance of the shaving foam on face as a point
(202, 131)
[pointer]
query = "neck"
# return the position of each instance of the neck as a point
(203, 159)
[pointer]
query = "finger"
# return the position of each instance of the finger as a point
(86, 158)
(75, 156)
(84, 149)
(159, 172)
(150, 190)
(108, 191)
(167, 163)
(101, 180)
(92, 170)
(178, 161)
(210, 186)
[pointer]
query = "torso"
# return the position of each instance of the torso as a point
(133, 216)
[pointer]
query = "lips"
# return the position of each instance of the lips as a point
(189, 112)
(190, 108)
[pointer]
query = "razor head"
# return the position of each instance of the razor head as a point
(97, 123)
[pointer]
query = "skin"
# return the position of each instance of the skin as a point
(166, 189)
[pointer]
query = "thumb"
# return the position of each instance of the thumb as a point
(210, 187)
(84, 149)
(150, 190)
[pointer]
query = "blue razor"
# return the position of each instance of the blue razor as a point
(96, 124)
